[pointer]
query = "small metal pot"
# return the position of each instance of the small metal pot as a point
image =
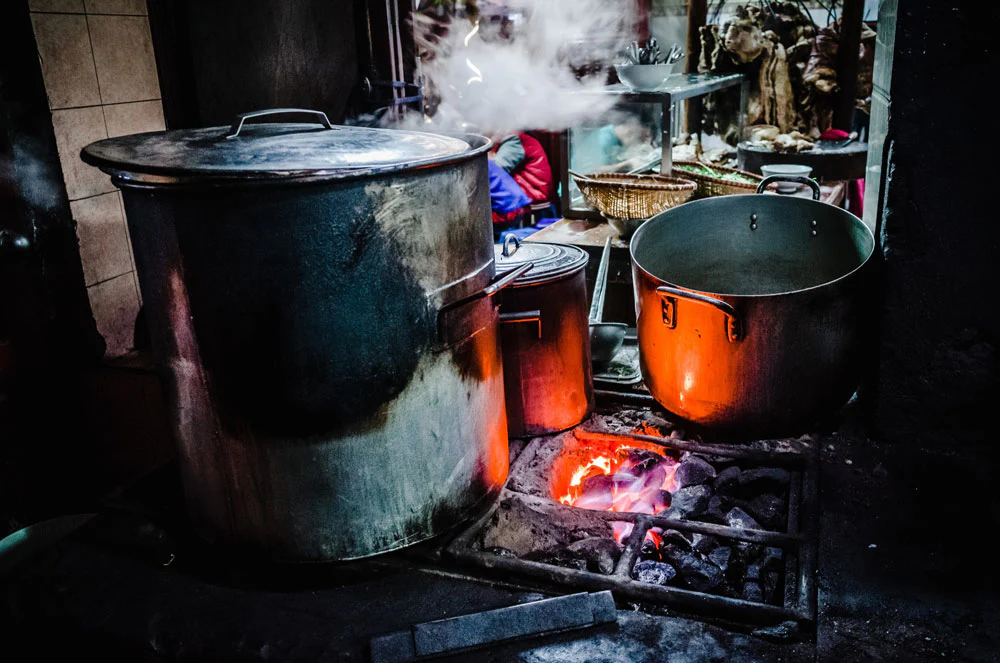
(545, 338)
(752, 309)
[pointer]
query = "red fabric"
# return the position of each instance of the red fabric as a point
(513, 215)
(856, 197)
(833, 134)
(535, 174)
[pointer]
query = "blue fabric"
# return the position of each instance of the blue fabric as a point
(505, 194)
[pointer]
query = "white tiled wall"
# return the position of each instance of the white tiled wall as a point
(100, 77)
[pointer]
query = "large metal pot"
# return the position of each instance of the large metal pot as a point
(752, 309)
(321, 301)
(545, 338)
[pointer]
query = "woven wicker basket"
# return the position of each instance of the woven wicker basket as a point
(715, 186)
(633, 196)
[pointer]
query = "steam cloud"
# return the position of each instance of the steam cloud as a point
(524, 80)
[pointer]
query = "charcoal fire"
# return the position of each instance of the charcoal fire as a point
(662, 519)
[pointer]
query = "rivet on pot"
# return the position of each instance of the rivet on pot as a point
(813, 233)
(753, 226)
(753, 217)
(814, 223)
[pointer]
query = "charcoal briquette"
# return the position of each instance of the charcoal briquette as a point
(738, 518)
(769, 510)
(752, 592)
(693, 471)
(689, 502)
(727, 480)
(720, 557)
(654, 573)
(763, 480)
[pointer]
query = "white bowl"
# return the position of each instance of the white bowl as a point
(644, 76)
(786, 169)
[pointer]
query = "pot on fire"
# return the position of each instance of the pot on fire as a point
(321, 301)
(545, 337)
(752, 309)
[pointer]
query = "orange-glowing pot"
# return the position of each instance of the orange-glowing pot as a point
(752, 309)
(545, 337)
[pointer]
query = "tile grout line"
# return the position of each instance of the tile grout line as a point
(113, 103)
(93, 195)
(83, 13)
(110, 278)
(107, 133)
(93, 58)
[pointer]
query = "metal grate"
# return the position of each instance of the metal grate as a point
(798, 542)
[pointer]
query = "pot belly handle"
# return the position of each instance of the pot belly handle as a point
(670, 295)
(459, 320)
(533, 316)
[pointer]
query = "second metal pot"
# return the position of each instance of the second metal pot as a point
(752, 309)
(545, 338)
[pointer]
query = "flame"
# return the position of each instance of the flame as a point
(608, 475)
(621, 530)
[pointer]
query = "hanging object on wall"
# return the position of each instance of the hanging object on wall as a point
(792, 67)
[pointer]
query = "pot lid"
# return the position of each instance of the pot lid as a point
(282, 151)
(551, 261)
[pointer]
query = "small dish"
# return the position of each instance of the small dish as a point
(793, 169)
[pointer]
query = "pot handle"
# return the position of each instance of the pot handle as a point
(767, 181)
(460, 319)
(523, 316)
(240, 119)
(670, 295)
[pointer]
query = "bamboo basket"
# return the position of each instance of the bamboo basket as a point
(633, 196)
(715, 186)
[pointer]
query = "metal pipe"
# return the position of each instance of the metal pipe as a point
(729, 451)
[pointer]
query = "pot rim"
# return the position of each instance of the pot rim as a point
(659, 219)
(576, 260)
(162, 177)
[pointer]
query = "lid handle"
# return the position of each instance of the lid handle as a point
(238, 121)
(507, 241)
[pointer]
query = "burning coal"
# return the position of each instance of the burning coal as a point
(609, 475)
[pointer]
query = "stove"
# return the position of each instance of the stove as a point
(732, 538)
(135, 583)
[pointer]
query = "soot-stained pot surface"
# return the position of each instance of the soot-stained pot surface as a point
(545, 338)
(316, 300)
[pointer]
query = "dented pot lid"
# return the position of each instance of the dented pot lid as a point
(253, 150)
(550, 261)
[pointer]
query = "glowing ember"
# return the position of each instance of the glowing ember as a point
(621, 530)
(608, 475)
